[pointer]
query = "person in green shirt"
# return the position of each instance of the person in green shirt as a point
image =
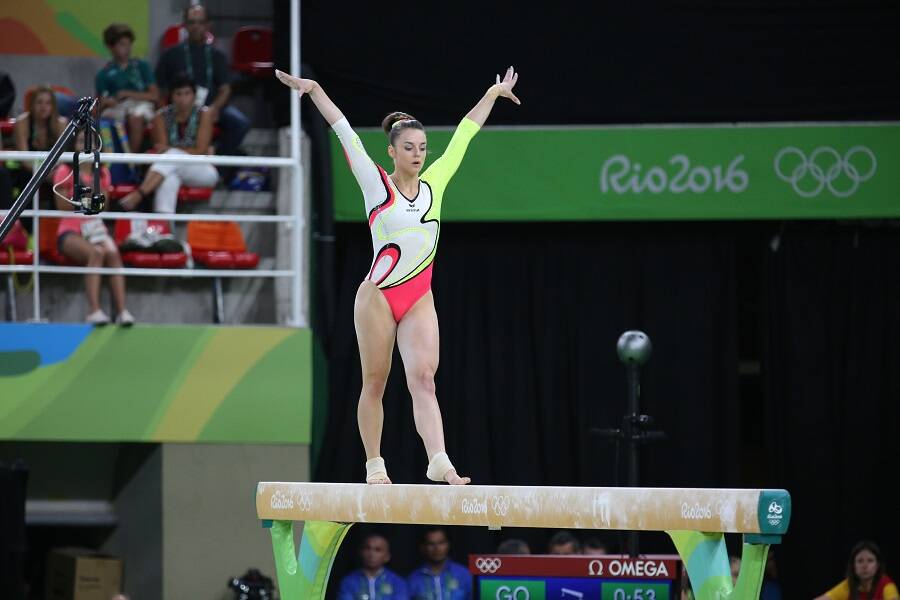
(126, 86)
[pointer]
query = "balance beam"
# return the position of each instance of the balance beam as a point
(750, 511)
(695, 518)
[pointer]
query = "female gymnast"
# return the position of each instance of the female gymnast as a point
(394, 301)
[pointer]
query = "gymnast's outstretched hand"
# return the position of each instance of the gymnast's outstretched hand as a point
(328, 108)
(504, 88)
(303, 86)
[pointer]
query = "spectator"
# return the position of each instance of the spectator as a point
(40, 126)
(513, 546)
(866, 578)
(439, 577)
(180, 128)
(563, 542)
(126, 86)
(687, 591)
(87, 242)
(37, 129)
(207, 66)
(6, 189)
(734, 564)
(7, 94)
(771, 587)
(595, 546)
(374, 581)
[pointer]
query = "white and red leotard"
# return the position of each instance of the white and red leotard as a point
(405, 231)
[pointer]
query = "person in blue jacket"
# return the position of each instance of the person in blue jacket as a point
(374, 581)
(439, 578)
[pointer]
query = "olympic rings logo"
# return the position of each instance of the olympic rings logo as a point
(304, 502)
(824, 166)
(500, 504)
(488, 565)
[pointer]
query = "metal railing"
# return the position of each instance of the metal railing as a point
(294, 222)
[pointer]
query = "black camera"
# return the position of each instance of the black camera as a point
(86, 201)
(252, 585)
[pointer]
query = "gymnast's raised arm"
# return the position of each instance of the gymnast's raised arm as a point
(441, 170)
(328, 108)
(367, 174)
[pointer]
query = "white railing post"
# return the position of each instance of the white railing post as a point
(36, 275)
(298, 253)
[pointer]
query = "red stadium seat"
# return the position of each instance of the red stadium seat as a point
(246, 260)
(220, 246)
(47, 243)
(6, 126)
(194, 194)
(18, 257)
(185, 193)
(173, 260)
(119, 191)
(148, 259)
(251, 51)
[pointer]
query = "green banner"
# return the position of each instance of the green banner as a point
(155, 383)
(648, 173)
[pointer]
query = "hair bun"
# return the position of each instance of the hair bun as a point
(392, 119)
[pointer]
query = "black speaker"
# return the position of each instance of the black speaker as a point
(13, 483)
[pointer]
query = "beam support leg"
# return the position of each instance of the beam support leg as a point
(706, 558)
(305, 577)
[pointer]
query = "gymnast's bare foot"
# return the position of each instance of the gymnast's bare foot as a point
(376, 473)
(453, 478)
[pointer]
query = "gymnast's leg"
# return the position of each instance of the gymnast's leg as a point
(418, 340)
(376, 331)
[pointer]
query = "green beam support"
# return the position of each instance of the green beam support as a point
(706, 558)
(305, 577)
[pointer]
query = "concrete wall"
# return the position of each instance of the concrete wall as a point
(137, 539)
(210, 529)
(186, 513)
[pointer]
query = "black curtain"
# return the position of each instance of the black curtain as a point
(833, 365)
(530, 313)
(530, 316)
(611, 62)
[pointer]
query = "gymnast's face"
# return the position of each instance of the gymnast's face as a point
(375, 553)
(865, 565)
(409, 150)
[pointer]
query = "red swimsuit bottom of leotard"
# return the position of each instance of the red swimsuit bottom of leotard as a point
(402, 297)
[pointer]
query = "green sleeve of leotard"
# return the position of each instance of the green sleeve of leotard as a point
(440, 172)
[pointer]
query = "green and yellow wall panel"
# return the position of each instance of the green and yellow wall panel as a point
(73, 382)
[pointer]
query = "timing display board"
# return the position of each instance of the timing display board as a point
(545, 577)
